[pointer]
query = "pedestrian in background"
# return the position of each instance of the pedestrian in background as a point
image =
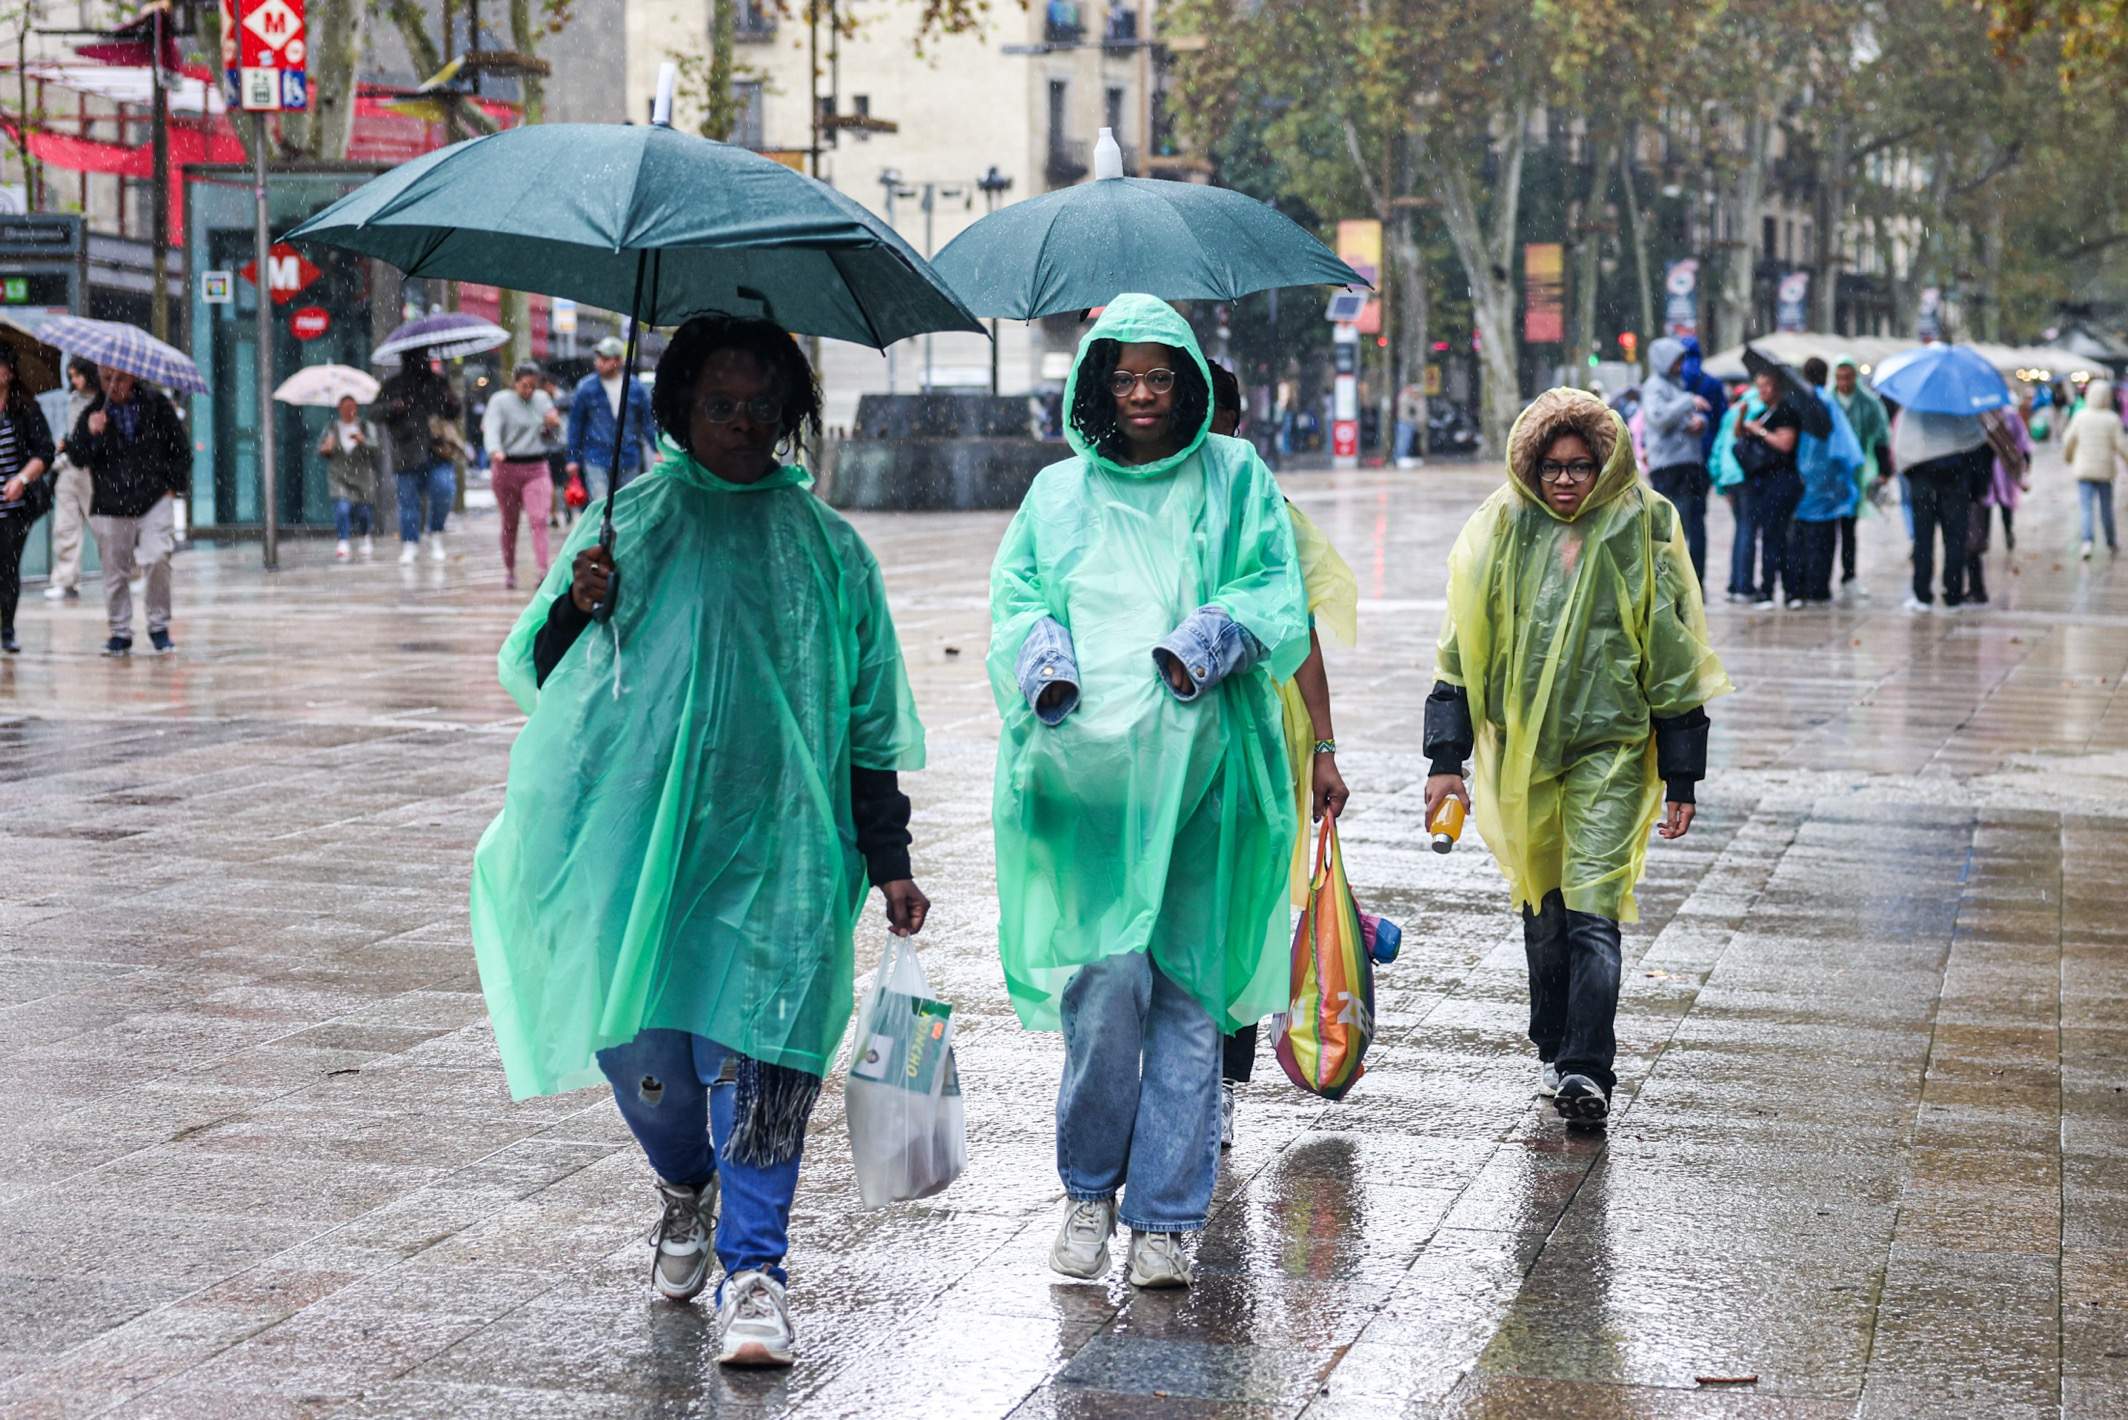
(26, 454)
(72, 490)
(1673, 419)
(1873, 431)
(606, 395)
(560, 513)
(516, 429)
(2095, 447)
(1548, 587)
(141, 463)
(1765, 449)
(420, 414)
(354, 462)
(1945, 458)
(1143, 604)
(2010, 443)
(1825, 469)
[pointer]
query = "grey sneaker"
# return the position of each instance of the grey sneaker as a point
(1228, 1090)
(1581, 1103)
(754, 1324)
(1081, 1248)
(1157, 1260)
(680, 1240)
(1547, 1079)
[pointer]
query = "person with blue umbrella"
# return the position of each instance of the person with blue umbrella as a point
(1940, 444)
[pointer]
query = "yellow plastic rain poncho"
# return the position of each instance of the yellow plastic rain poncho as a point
(1142, 823)
(1334, 606)
(681, 853)
(1568, 636)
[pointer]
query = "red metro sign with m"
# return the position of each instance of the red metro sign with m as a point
(288, 273)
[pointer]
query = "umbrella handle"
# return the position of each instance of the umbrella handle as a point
(604, 610)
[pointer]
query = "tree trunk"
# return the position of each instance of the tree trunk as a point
(1747, 194)
(723, 114)
(1826, 259)
(1641, 272)
(1487, 259)
(1414, 332)
(1588, 248)
(337, 29)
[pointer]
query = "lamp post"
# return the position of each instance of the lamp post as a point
(890, 179)
(932, 193)
(993, 185)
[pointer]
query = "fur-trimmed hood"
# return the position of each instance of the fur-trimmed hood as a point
(1570, 411)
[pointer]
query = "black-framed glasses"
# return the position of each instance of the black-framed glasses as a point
(1122, 382)
(1579, 471)
(766, 409)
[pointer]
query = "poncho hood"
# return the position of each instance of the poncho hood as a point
(676, 462)
(1570, 411)
(1127, 320)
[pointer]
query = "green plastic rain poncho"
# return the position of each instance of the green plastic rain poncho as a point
(1142, 823)
(675, 846)
(1568, 636)
(1872, 425)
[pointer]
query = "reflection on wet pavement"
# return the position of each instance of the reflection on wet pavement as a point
(257, 1157)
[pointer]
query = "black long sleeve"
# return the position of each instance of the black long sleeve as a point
(1681, 753)
(565, 622)
(1449, 735)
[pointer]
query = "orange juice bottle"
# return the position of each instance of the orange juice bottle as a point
(1447, 825)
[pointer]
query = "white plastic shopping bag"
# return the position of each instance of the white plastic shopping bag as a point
(902, 1096)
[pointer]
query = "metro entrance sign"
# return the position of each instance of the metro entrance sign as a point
(265, 54)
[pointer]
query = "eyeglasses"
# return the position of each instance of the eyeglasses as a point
(1579, 471)
(766, 409)
(1122, 382)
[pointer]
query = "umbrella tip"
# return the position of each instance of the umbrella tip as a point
(661, 111)
(1108, 157)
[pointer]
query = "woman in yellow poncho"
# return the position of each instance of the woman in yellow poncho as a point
(1574, 659)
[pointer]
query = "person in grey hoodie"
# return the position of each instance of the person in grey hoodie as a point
(1672, 419)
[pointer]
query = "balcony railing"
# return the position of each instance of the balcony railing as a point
(1069, 160)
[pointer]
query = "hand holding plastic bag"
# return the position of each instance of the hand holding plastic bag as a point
(902, 1096)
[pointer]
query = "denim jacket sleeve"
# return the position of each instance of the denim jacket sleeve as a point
(1046, 659)
(1210, 646)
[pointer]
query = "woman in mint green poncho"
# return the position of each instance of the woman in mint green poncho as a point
(703, 788)
(1142, 606)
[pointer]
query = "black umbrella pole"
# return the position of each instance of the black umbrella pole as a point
(604, 610)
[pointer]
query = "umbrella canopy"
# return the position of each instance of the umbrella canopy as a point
(448, 335)
(324, 386)
(37, 364)
(123, 347)
(1081, 246)
(1817, 419)
(647, 221)
(1943, 379)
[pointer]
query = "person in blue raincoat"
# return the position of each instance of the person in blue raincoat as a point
(1826, 464)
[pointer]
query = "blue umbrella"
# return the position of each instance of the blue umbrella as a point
(448, 335)
(1942, 379)
(123, 347)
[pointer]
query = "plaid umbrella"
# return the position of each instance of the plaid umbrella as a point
(448, 335)
(123, 347)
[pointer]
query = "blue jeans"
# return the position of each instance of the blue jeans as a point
(439, 482)
(350, 519)
(2095, 500)
(1743, 547)
(669, 1088)
(1138, 1109)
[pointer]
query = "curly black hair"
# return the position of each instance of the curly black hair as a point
(768, 343)
(1093, 408)
(1226, 390)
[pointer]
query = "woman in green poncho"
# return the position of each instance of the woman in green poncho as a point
(1574, 659)
(1873, 430)
(704, 785)
(1142, 607)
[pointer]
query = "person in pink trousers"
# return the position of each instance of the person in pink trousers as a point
(517, 429)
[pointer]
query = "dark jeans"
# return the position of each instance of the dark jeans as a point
(1779, 569)
(1573, 980)
(1810, 550)
(1942, 499)
(1976, 542)
(1847, 549)
(14, 536)
(1685, 485)
(1743, 546)
(1237, 1055)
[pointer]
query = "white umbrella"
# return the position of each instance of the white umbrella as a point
(324, 386)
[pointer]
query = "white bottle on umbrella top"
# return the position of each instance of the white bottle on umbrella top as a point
(1108, 158)
(661, 110)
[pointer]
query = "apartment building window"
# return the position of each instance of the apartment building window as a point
(1059, 105)
(1114, 112)
(747, 122)
(1770, 238)
(1788, 240)
(754, 20)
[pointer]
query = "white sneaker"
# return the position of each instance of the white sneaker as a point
(1228, 1089)
(1547, 1078)
(1157, 1260)
(341, 551)
(679, 1241)
(369, 547)
(55, 593)
(1915, 604)
(1081, 1248)
(437, 551)
(2087, 552)
(754, 1324)
(408, 551)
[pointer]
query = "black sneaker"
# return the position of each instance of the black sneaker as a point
(8, 643)
(1580, 1102)
(162, 643)
(118, 646)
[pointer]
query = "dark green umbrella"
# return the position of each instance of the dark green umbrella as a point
(1083, 246)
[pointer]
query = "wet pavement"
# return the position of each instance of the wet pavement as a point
(257, 1157)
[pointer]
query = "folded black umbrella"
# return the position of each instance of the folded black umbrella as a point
(1817, 419)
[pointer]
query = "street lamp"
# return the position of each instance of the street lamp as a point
(993, 185)
(890, 179)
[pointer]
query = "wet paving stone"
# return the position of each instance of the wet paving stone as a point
(258, 1159)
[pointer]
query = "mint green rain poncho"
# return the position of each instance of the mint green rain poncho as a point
(1142, 823)
(676, 846)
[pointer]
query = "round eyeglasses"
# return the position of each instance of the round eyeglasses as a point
(1122, 382)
